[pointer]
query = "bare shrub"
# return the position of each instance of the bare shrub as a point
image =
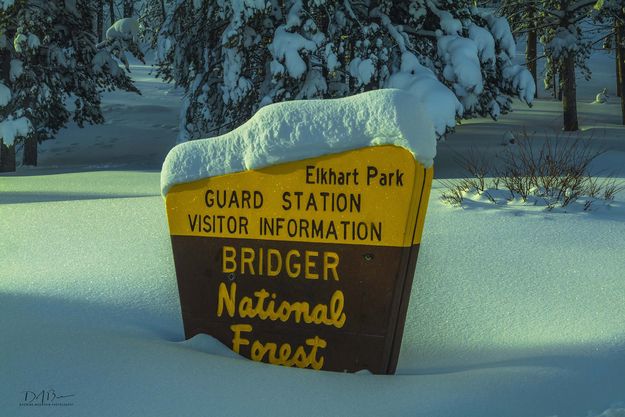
(554, 169)
(478, 167)
(610, 187)
(454, 193)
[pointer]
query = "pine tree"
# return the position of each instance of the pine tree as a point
(100, 20)
(111, 12)
(234, 57)
(614, 11)
(522, 15)
(565, 47)
(129, 8)
(49, 56)
(152, 17)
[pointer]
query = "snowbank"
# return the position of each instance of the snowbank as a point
(295, 130)
(516, 312)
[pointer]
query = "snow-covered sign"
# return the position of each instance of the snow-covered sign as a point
(307, 262)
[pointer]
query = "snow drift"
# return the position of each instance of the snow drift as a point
(290, 131)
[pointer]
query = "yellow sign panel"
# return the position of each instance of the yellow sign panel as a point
(305, 264)
(357, 197)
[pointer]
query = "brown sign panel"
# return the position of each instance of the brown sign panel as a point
(305, 264)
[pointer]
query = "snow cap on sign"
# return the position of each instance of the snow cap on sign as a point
(295, 130)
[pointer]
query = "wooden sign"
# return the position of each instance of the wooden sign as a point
(306, 264)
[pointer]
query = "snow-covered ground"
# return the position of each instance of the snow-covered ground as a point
(514, 312)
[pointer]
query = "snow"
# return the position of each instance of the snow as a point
(247, 8)
(5, 95)
(314, 84)
(462, 68)
(285, 49)
(70, 5)
(293, 20)
(500, 29)
(11, 128)
(362, 70)
(19, 41)
(514, 311)
(100, 60)
(485, 43)
(290, 131)
(490, 338)
(33, 41)
(563, 41)
(449, 25)
(602, 97)
(125, 29)
(7, 3)
(392, 29)
(613, 412)
(521, 81)
(235, 86)
(438, 101)
(332, 61)
(17, 68)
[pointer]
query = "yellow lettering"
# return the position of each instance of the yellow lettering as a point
(258, 350)
(260, 310)
(330, 263)
(273, 253)
(293, 270)
(337, 316)
(228, 259)
(227, 298)
(264, 307)
(247, 257)
(245, 308)
(237, 340)
(285, 352)
(282, 355)
(319, 314)
(316, 343)
(308, 274)
(300, 358)
(272, 262)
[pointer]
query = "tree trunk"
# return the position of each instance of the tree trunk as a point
(618, 54)
(620, 60)
(112, 11)
(530, 57)
(30, 151)
(555, 85)
(128, 8)
(7, 153)
(555, 78)
(100, 20)
(569, 94)
(561, 76)
(7, 157)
